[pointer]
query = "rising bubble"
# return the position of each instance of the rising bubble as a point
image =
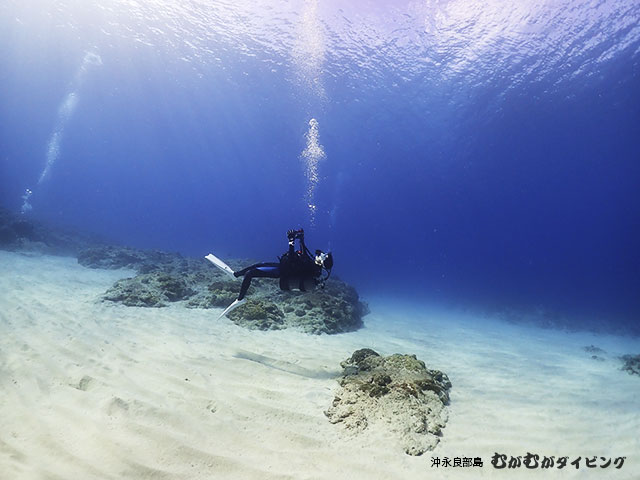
(65, 112)
(311, 156)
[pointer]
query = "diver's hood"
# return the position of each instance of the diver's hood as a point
(328, 262)
(325, 260)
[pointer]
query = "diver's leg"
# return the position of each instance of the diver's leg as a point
(246, 283)
(262, 270)
(244, 271)
(268, 270)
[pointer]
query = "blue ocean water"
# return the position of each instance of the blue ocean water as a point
(483, 155)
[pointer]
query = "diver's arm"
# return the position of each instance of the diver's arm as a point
(303, 247)
(291, 236)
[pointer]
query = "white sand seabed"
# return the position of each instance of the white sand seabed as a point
(96, 390)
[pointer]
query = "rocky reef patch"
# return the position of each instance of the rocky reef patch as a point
(596, 352)
(397, 394)
(144, 261)
(165, 278)
(631, 364)
(149, 290)
(22, 233)
(259, 314)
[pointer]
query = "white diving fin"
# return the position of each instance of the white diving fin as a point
(233, 306)
(221, 265)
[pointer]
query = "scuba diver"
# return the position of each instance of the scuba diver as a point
(296, 269)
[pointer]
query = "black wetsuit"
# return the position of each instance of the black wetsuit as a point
(296, 269)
